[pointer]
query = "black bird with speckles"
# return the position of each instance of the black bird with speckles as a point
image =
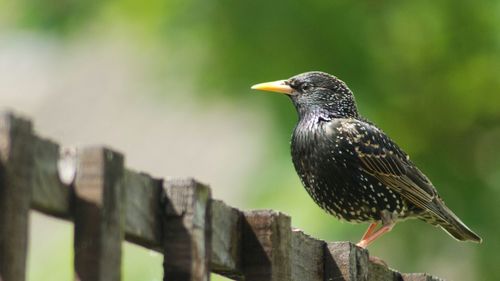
(351, 168)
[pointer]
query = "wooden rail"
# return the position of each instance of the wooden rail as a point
(196, 234)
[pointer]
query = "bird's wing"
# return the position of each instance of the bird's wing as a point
(383, 159)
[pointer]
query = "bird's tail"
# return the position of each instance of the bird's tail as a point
(449, 222)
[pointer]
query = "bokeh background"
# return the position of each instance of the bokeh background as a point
(167, 83)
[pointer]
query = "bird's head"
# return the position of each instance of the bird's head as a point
(315, 92)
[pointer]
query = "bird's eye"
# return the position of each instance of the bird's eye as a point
(305, 86)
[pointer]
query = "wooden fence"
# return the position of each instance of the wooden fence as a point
(196, 234)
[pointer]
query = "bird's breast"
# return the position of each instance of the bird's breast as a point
(318, 144)
(318, 165)
(325, 160)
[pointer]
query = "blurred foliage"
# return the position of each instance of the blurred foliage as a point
(428, 72)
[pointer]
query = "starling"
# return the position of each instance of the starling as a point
(351, 168)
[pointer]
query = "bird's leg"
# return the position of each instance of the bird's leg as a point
(369, 230)
(367, 241)
(370, 236)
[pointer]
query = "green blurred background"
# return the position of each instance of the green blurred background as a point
(167, 83)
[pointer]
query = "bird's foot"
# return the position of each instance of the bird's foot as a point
(370, 234)
(363, 244)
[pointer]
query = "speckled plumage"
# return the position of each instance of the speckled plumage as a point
(351, 168)
(326, 157)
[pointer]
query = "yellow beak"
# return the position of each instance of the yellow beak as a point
(276, 86)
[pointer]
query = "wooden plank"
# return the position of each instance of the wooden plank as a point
(98, 215)
(50, 195)
(345, 261)
(16, 166)
(419, 277)
(380, 272)
(266, 246)
(226, 240)
(307, 257)
(186, 230)
(143, 210)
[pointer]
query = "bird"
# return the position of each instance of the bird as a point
(351, 168)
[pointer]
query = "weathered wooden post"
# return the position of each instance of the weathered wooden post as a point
(345, 262)
(16, 166)
(267, 242)
(98, 215)
(307, 257)
(186, 231)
